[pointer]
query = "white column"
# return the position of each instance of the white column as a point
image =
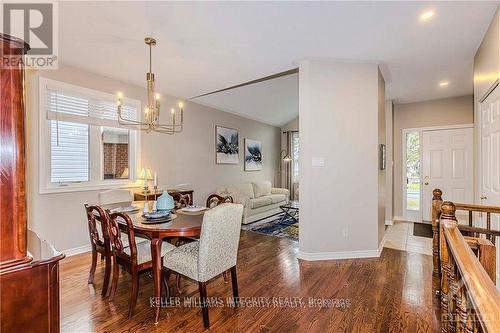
(339, 170)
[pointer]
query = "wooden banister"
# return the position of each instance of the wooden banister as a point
(469, 300)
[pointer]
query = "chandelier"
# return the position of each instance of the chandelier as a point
(151, 121)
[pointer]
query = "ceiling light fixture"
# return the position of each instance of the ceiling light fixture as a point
(444, 83)
(152, 110)
(427, 15)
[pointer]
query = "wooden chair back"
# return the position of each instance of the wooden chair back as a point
(115, 236)
(98, 220)
(215, 200)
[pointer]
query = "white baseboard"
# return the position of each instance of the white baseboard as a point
(381, 245)
(77, 250)
(389, 222)
(338, 255)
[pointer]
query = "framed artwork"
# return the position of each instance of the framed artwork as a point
(253, 155)
(226, 145)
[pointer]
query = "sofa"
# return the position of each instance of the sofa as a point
(259, 199)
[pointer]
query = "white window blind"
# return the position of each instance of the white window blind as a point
(69, 152)
(69, 106)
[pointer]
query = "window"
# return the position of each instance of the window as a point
(82, 146)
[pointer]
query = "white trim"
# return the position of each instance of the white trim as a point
(398, 218)
(389, 222)
(439, 128)
(77, 250)
(381, 245)
(338, 255)
(44, 185)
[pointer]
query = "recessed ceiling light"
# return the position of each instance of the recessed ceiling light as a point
(444, 83)
(427, 15)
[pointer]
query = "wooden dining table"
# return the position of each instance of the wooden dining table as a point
(183, 225)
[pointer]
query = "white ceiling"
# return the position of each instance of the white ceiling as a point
(204, 47)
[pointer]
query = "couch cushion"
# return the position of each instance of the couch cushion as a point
(275, 198)
(261, 188)
(260, 202)
(245, 189)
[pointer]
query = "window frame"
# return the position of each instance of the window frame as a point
(96, 167)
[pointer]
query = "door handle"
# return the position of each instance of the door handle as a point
(484, 197)
(426, 180)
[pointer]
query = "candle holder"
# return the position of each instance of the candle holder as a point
(155, 188)
(146, 201)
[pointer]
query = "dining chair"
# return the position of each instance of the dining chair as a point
(214, 200)
(98, 225)
(135, 259)
(115, 196)
(215, 252)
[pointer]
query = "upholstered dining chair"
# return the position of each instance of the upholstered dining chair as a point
(215, 252)
(98, 225)
(135, 259)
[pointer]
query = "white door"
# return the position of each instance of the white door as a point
(447, 159)
(490, 159)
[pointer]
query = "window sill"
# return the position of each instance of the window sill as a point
(89, 187)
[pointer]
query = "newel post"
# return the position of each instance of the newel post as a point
(447, 274)
(437, 200)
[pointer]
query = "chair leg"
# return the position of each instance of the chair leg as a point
(204, 304)
(102, 257)
(114, 281)
(134, 292)
(225, 276)
(107, 275)
(92, 267)
(234, 280)
(178, 283)
(165, 275)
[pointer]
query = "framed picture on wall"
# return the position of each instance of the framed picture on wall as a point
(226, 145)
(253, 155)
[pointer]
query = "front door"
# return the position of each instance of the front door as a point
(490, 159)
(447, 164)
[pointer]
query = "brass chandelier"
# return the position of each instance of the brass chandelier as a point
(151, 121)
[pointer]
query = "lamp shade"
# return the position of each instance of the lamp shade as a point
(146, 174)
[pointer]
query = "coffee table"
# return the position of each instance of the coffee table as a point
(290, 209)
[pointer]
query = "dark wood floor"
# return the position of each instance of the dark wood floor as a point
(387, 294)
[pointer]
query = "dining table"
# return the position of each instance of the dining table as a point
(182, 225)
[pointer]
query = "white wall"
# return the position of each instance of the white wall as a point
(389, 162)
(188, 157)
(339, 116)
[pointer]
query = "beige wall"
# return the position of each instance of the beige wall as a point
(382, 197)
(188, 157)
(486, 75)
(441, 112)
(339, 115)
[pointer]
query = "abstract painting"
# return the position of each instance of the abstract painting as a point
(226, 150)
(253, 155)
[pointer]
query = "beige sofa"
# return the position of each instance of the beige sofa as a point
(259, 199)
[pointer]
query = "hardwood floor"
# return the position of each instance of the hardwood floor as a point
(387, 294)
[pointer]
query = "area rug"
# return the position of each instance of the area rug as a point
(287, 228)
(422, 230)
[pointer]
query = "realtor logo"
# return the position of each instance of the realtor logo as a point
(36, 24)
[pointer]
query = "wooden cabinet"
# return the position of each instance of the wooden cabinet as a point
(29, 267)
(181, 197)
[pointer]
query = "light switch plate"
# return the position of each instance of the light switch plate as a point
(318, 162)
